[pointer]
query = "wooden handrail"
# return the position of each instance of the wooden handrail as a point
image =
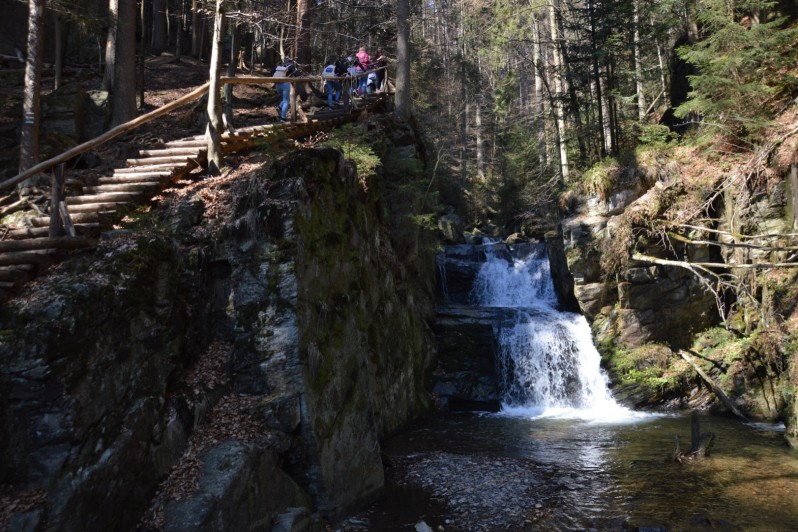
(196, 94)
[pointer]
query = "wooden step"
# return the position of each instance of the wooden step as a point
(146, 177)
(105, 207)
(115, 197)
(175, 160)
(41, 257)
(78, 218)
(169, 152)
(147, 186)
(43, 229)
(148, 168)
(31, 244)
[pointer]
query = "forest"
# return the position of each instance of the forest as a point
(251, 308)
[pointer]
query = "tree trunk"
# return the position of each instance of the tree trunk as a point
(143, 51)
(597, 75)
(558, 90)
(213, 133)
(641, 98)
(231, 72)
(304, 20)
(402, 97)
(181, 12)
(540, 101)
(123, 107)
(58, 68)
(196, 28)
(479, 140)
(110, 46)
(31, 111)
(159, 35)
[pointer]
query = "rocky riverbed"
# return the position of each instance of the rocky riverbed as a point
(449, 491)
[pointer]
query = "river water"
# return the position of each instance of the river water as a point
(562, 454)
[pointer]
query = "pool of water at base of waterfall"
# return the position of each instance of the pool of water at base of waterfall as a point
(515, 472)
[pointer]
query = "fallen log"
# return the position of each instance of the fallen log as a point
(728, 403)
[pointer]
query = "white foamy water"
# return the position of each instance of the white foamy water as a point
(549, 365)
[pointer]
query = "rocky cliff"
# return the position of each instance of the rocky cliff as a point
(228, 361)
(656, 258)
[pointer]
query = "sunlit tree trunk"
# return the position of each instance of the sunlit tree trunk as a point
(540, 101)
(304, 20)
(479, 133)
(641, 98)
(213, 133)
(123, 106)
(231, 72)
(31, 111)
(597, 80)
(558, 90)
(402, 97)
(110, 45)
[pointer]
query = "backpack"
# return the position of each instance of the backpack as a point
(284, 70)
(330, 71)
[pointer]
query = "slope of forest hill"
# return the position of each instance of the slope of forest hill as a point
(654, 237)
(165, 80)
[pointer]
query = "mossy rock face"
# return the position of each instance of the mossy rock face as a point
(92, 352)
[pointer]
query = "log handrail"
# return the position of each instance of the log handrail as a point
(196, 94)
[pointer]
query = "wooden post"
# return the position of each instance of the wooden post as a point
(66, 220)
(56, 197)
(292, 110)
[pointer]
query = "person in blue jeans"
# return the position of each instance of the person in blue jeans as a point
(332, 85)
(284, 70)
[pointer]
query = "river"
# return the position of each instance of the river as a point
(562, 454)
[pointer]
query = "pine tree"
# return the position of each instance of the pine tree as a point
(741, 63)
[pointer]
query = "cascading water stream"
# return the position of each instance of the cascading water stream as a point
(547, 360)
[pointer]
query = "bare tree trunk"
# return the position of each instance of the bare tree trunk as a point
(58, 68)
(181, 12)
(159, 36)
(597, 75)
(31, 111)
(110, 46)
(558, 90)
(641, 98)
(402, 97)
(304, 20)
(196, 28)
(479, 140)
(213, 134)
(123, 108)
(540, 101)
(227, 116)
(143, 51)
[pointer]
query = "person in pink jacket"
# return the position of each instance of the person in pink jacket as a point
(365, 64)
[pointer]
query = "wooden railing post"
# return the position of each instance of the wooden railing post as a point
(56, 196)
(292, 110)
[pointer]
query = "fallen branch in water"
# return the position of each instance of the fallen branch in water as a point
(728, 403)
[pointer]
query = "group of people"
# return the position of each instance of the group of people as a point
(353, 65)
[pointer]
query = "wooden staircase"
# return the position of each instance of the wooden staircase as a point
(26, 251)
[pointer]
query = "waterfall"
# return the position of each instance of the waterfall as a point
(547, 362)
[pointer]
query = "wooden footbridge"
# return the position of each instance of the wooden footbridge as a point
(77, 214)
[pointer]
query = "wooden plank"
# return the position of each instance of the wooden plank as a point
(81, 218)
(116, 197)
(103, 207)
(191, 151)
(141, 186)
(40, 257)
(175, 160)
(84, 229)
(148, 168)
(196, 94)
(65, 219)
(57, 194)
(144, 177)
(31, 244)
